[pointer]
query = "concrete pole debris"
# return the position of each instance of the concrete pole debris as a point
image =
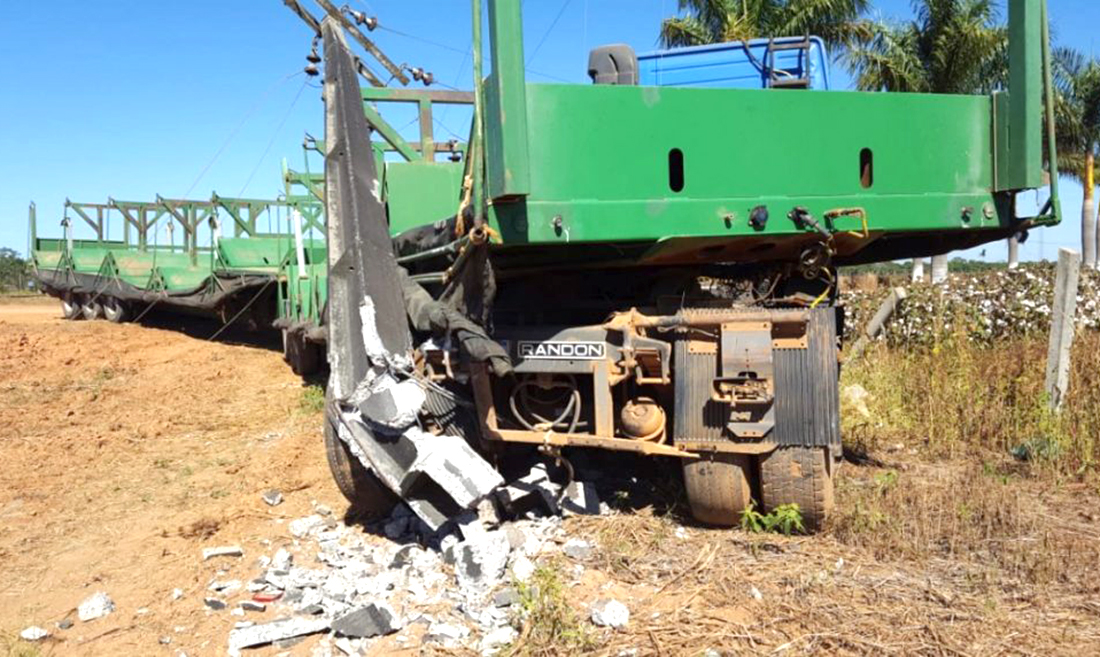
(918, 271)
(1061, 326)
(939, 269)
(878, 321)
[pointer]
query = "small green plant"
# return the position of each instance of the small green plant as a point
(548, 619)
(785, 519)
(312, 399)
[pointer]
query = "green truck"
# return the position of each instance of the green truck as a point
(645, 268)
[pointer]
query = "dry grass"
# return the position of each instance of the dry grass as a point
(942, 543)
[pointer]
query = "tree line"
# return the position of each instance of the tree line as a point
(948, 47)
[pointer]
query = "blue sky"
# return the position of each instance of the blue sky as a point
(130, 98)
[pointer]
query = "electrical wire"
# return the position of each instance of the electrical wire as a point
(248, 115)
(545, 35)
(274, 136)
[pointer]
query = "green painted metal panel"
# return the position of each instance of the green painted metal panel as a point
(932, 158)
(1020, 166)
(506, 104)
(254, 253)
(419, 193)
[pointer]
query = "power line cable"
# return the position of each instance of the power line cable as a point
(274, 136)
(248, 115)
(545, 35)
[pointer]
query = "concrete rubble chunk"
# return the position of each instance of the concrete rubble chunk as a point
(580, 499)
(375, 619)
(97, 605)
(282, 560)
(480, 563)
(225, 586)
(252, 605)
(214, 603)
(610, 613)
(389, 403)
(272, 497)
(494, 641)
(265, 633)
(506, 597)
(522, 568)
(432, 474)
(302, 527)
(33, 633)
(64, 623)
(534, 489)
(177, 594)
(447, 634)
(576, 548)
(224, 551)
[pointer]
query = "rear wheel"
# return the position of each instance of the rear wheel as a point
(70, 308)
(718, 488)
(91, 309)
(303, 356)
(798, 475)
(362, 488)
(114, 310)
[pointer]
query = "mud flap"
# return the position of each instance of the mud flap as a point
(369, 341)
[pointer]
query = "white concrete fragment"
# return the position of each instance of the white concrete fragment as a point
(302, 527)
(177, 594)
(480, 563)
(265, 633)
(580, 498)
(447, 634)
(522, 568)
(33, 633)
(282, 560)
(492, 642)
(224, 551)
(610, 613)
(576, 548)
(96, 606)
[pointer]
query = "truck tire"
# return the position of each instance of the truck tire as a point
(114, 310)
(91, 309)
(718, 487)
(304, 357)
(70, 308)
(367, 495)
(798, 475)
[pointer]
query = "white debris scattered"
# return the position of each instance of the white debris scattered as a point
(492, 642)
(265, 633)
(610, 613)
(225, 551)
(96, 606)
(303, 527)
(33, 633)
(755, 593)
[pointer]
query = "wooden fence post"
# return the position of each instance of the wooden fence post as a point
(1061, 326)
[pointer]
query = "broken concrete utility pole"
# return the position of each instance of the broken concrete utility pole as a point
(878, 321)
(376, 394)
(1061, 326)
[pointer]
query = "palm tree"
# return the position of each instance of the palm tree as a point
(717, 21)
(1077, 123)
(949, 47)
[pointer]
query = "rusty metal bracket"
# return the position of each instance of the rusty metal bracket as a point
(747, 378)
(491, 432)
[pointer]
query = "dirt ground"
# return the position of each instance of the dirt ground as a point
(127, 449)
